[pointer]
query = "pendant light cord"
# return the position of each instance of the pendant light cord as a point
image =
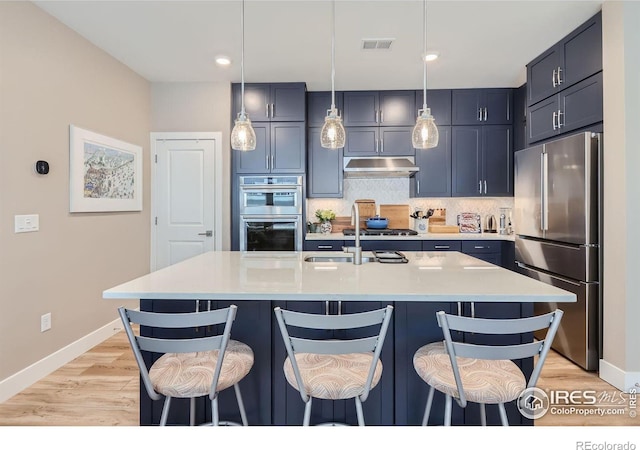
(242, 111)
(424, 57)
(333, 54)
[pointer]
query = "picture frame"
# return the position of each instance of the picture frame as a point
(105, 174)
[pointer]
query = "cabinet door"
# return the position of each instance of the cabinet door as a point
(541, 122)
(497, 106)
(441, 246)
(434, 177)
(323, 245)
(465, 106)
(393, 245)
(520, 118)
(396, 141)
(466, 154)
(325, 172)
(397, 108)
(497, 160)
(317, 105)
(258, 160)
(362, 141)
(361, 108)
(287, 147)
(582, 52)
(288, 102)
(256, 101)
(541, 73)
(439, 102)
(581, 104)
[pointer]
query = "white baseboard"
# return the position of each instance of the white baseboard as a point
(619, 378)
(26, 377)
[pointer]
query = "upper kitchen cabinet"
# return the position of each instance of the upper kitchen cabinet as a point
(574, 58)
(434, 177)
(575, 107)
(379, 108)
(481, 106)
(325, 172)
(378, 141)
(317, 105)
(482, 161)
(439, 102)
(520, 118)
(280, 148)
(272, 102)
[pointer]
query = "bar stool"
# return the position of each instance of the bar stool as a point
(189, 367)
(333, 369)
(484, 374)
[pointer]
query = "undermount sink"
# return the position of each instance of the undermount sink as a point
(338, 259)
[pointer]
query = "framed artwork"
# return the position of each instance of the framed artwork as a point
(105, 174)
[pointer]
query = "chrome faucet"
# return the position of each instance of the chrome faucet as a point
(356, 249)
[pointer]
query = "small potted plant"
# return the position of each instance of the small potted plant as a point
(325, 216)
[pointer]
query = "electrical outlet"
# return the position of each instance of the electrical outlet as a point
(45, 322)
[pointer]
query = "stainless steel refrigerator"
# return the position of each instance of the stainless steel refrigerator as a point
(557, 226)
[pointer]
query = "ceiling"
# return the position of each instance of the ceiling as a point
(481, 43)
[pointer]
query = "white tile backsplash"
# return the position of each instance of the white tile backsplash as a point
(395, 191)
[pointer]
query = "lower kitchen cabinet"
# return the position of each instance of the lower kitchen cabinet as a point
(288, 407)
(489, 251)
(393, 245)
(324, 245)
(441, 246)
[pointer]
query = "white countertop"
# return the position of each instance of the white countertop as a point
(428, 276)
(419, 237)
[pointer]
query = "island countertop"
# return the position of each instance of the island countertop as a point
(427, 277)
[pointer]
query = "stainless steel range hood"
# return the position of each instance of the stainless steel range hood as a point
(380, 167)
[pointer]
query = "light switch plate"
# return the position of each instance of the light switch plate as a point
(27, 223)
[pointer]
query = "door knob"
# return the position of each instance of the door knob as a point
(207, 233)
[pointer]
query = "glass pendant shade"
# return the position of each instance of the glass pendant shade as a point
(332, 134)
(243, 137)
(425, 132)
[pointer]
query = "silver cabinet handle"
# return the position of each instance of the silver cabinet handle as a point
(478, 246)
(473, 310)
(207, 233)
(480, 114)
(485, 186)
(417, 186)
(560, 114)
(377, 143)
(325, 247)
(339, 307)
(553, 78)
(381, 116)
(485, 114)
(266, 110)
(273, 114)
(273, 165)
(441, 247)
(553, 118)
(558, 76)
(480, 187)
(267, 160)
(326, 307)
(381, 146)
(377, 115)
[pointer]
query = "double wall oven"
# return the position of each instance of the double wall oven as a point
(270, 213)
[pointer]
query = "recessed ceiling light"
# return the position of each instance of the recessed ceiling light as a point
(431, 56)
(223, 60)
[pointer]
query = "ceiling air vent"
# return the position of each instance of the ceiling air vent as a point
(377, 44)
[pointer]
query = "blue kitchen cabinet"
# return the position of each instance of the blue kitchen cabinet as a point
(441, 246)
(489, 251)
(318, 102)
(481, 106)
(362, 141)
(280, 148)
(439, 102)
(571, 60)
(482, 161)
(323, 245)
(395, 141)
(325, 171)
(391, 244)
(271, 102)
(434, 177)
(379, 108)
(520, 118)
(573, 108)
(287, 403)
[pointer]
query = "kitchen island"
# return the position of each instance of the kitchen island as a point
(259, 281)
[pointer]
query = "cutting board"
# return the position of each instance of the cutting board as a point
(398, 215)
(366, 208)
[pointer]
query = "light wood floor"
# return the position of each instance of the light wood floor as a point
(101, 388)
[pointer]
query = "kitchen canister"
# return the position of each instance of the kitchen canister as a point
(421, 225)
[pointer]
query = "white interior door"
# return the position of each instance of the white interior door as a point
(184, 196)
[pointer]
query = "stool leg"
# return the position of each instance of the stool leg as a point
(503, 415)
(483, 415)
(243, 413)
(215, 419)
(192, 411)
(427, 409)
(359, 412)
(307, 412)
(447, 411)
(165, 411)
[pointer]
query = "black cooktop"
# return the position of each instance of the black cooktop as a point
(381, 232)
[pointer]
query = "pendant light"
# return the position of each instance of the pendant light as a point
(425, 132)
(332, 134)
(242, 136)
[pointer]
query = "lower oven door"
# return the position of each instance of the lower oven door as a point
(271, 233)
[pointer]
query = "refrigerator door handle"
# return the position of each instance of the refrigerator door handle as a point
(559, 277)
(544, 192)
